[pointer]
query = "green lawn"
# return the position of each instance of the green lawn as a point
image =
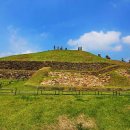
(36, 112)
(26, 112)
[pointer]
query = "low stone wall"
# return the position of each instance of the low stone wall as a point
(21, 65)
(24, 69)
(15, 74)
(36, 65)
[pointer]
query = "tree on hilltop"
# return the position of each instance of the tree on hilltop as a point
(54, 47)
(122, 60)
(108, 57)
(99, 55)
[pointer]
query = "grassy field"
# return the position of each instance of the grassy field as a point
(45, 112)
(26, 112)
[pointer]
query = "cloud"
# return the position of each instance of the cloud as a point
(5, 54)
(94, 40)
(126, 39)
(127, 59)
(18, 44)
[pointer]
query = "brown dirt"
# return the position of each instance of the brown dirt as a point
(73, 79)
(65, 123)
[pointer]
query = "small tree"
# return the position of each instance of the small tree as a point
(108, 57)
(122, 60)
(61, 48)
(99, 55)
(129, 61)
(66, 48)
(54, 47)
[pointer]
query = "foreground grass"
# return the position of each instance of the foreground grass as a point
(24, 112)
(35, 112)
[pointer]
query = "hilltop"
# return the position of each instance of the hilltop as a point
(57, 55)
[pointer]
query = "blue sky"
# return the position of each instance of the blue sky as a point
(100, 26)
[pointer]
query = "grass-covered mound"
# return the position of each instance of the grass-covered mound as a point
(57, 55)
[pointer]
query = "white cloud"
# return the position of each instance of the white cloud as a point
(98, 41)
(127, 59)
(15, 53)
(17, 43)
(5, 54)
(27, 52)
(117, 48)
(126, 39)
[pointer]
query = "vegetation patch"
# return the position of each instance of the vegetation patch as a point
(119, 80)
(37, 77)
(57, 55)
(80, 122)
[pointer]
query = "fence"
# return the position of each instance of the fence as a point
(42, 91)
(8, 91)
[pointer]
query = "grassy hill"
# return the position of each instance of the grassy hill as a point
(57, 55)
(71, 56)
(82, 112)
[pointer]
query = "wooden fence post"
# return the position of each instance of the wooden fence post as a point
(41, 91)
(79, 92)
(15, 91)
(58, 91)
(37, 91)
(113, 93)
(116, 93)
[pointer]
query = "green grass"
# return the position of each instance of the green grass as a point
(118, 80)
(24, 112)
(57, 55)
(37, 77)
(19, 84)
(35, 112)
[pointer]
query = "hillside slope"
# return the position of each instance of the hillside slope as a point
(57, 55)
